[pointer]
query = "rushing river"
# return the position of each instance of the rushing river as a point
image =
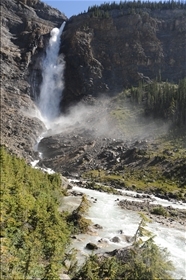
(118, 222)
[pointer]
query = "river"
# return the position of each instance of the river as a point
(105, 211)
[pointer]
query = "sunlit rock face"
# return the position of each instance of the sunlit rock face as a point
(105, 55)
(25, 31)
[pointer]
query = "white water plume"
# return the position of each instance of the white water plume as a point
(52, 72)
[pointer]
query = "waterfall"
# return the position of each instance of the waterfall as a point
(52, 73)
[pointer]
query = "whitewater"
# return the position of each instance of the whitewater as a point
(52, 74)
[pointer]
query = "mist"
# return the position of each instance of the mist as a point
(99, 120)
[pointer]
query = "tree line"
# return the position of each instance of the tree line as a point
(162, 100)
(133, 6)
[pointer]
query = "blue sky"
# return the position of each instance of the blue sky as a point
(74, 7)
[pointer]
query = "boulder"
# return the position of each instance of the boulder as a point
(91, 246)
(115, 239)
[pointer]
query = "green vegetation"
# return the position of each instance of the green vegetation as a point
(99, 187)
(162, 100)
(77, 219)
(148, 180)
(34, 234)
(132, 7)
(143, 260)
(159, 210)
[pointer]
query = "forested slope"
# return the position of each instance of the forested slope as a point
(34, 235)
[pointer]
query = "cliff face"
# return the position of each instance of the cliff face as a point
(24, 30)
(108, 54)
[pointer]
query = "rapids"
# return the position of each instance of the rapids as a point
(104, 211)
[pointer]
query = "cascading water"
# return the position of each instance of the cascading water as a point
(52, 73)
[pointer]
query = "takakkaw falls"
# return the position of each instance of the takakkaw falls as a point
(52, 84)
(93, 141)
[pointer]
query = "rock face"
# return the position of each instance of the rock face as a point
(24, 32)
(105, 55)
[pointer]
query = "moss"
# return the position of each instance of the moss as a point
(159, 210)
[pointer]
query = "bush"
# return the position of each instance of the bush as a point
(159, 210)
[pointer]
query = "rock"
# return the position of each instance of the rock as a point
(92, 140)
(23, 37)
(115, 239)
(97, 226)
(143, 48)
(121, 254)
(91, 246)
(103, 242)
(73, 237)
(127, 238)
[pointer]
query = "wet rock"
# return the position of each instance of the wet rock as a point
(97, 226)
(115, 239)
(92, 231)
(91, 246)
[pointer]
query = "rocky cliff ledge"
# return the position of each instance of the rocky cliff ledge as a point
(105, 54)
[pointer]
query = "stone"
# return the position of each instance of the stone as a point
(97, 226)
(115, 239)
(91, 246)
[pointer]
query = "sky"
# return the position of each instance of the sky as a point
(74, 7)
